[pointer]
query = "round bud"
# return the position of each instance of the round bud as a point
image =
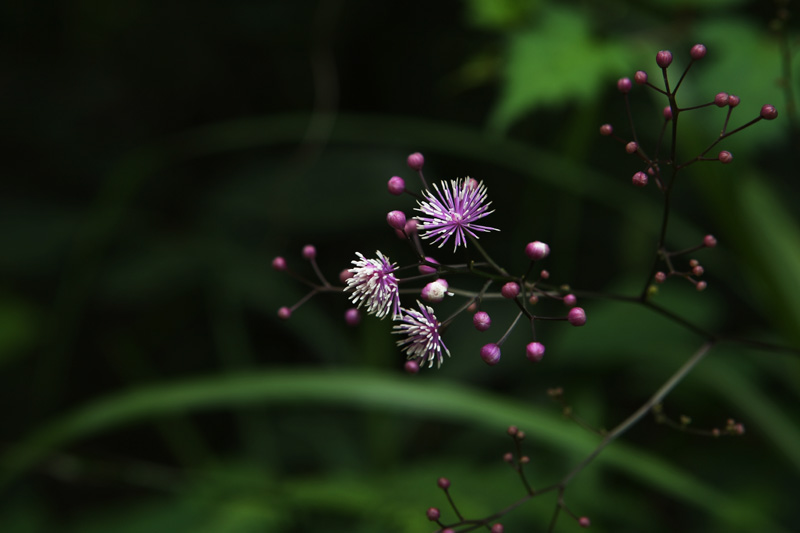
(524, 459)
(433, 514)
(497, 528)
(443, 483)
(411, 226)
(733, 100)
(435, 291)
(660, 277)
(508, 457)
(631, 147)
(481, 320)
(352, 316)
(768, 112)
(512, 430)
(309, 252)
(640, 77)
(412, 366)
(449, 530)
(576, 316)
(534, 299)
(725, 157)
(570, 300)
(698, 270)
(544, 274)
(624, 85)
(471, 184)
(415, 161)
(279, 264)
(701, 285)
(584, 522)
(721, 99)
(472, 307)
(709, 241)
(520, 435)
(397, 185)
(639, 179)
(664, 58)
(344, 275)
(668, 113)
(537, 250)
(698, 52)
(534, 351)
(427, 269)
(284, 313)
(490, 353)
(397, 220)
(606, 130)
(510, 290)
(693, 262)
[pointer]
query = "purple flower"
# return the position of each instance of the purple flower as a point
(423, 340)
(453, 211)
(374, 285)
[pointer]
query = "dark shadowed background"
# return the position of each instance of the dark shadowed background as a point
(158, 155)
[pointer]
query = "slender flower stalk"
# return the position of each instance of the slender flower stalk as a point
(423, 340)
(373, 284)
(453, 211)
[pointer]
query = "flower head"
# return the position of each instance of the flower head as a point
(374, 285)
(423, 339)
(453, 211)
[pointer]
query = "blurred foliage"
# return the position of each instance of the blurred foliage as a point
(158, 156)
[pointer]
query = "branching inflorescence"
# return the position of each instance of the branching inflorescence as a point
(455, 211)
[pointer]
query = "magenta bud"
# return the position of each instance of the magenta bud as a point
(701, 285)
(640, 77)
(606, 130)
(397, 220)
(631, 147)
(725, 157)
(510, 290)
(279, 264)
(570, 300)
(668, 113)
(352, 317)
(664, 58)
(768, 112)
(698, 270)
(733, 100)
(412, 366)
(639, 179)
(435, 291)
(309, 252)
(534, 351)
(397, 185)
(577, 316)
(512, 430)
(721, 99)
(624, 85)
(534, 299)
(497, 528)
(660, 277)
(584, 521)
(537, 250)
(426, 269)
(490, 353)
(411, 226)
(344, 275)
(415, 161)
(709, 241)
(433, 514)
(284, 313)
(443, 483)
(544, 274)
(481, 320)
(698, 51)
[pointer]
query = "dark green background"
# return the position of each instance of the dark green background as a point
(157, 156)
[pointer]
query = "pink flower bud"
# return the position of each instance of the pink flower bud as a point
(510, 290)
(584, 522)
(397, 220)
(411, 226)
(481, 320)
(412, 366)
(660, 277)
(352, 317)
(668, 113)
(698, 270)
(279, 264)
(497, 528)
(576, 316)
(415, 161)
(639, 179)
(435, 291)
(433, 514)
(537, 250)
(721, 99)
(768, 112)
(631, 147)
(397, 185)
(664, 58)
(640, 77)
(344, 275)
(309, 252)
(701, 285)
(512, 430)
(534, 351)
(284, 313)
(443, 483)
(570, 300)
(709, 241)
(624, 85)
(698, 52)
(725, 157)
(490, 353)
(426, 269)
(606, 130)
(733, 100)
